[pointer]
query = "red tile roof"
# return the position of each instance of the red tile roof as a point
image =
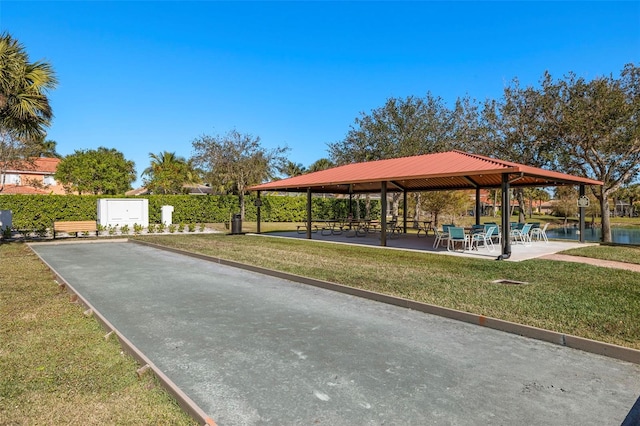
(10, 189)
(39, 165)
(439, 171)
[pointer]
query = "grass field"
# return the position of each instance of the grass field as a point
(56, 367)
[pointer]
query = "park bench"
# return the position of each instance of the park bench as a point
(76, 226)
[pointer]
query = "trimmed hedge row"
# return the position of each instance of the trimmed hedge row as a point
(36, 213)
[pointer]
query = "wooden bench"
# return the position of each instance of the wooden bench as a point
(76, 226)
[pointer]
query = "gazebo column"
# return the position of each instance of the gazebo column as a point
(506, 210)
(581, 209)
(351, 201)
(477, 205)
(308, 213)
(258, 206)
(404, 211)
(383, 214)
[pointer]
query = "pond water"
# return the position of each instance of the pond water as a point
(618, 235)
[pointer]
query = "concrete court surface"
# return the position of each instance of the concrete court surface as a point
(519, 252)
(251, 349)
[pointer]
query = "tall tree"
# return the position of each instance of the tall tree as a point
(566, 202)
(598, 126)
(48, 148)
(24, 106)
(400, 128)
(99, 171)
(168, 173)
(25, 111)
(518, 129)
(236, 161)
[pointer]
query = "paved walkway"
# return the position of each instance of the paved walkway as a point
(252, 349)
(596, 262)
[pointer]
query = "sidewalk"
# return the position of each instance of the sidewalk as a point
(595, 262)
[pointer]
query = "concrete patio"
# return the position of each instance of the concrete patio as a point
(411, 241)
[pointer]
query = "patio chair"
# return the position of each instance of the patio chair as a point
(440, 237)
(495, 234)
(522, 234)
(540, 233)
(485, 237)
(457, 235)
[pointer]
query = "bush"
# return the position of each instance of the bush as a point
(36, 213)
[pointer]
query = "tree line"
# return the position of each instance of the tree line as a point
(588, 128)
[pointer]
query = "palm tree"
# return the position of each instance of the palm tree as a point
(25, 111)
(168, 173)
(292, 169)
(321, 164)
(48, 148)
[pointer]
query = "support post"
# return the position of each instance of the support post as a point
(404, 211)
(506, 211)
(383, 214)
(351, 201)
(582, 209)
(258, 207)
(308, 213)
(478, 205)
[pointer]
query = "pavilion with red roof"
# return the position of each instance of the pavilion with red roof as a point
(452, 170)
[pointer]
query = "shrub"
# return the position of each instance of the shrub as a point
(36, 213)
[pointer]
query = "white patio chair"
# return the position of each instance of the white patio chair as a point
(522, 234)
(440, 238)
(540, 233)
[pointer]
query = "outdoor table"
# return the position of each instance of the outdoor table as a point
(359, 227)
(427, 225)
(330, 227)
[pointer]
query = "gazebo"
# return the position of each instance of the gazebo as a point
(444, 171)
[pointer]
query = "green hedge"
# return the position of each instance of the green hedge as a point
(38, 212)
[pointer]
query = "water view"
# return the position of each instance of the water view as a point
(618, 235)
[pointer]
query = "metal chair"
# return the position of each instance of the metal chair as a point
(540, 233)
(522, 234)
(457, 235)
(485, 237)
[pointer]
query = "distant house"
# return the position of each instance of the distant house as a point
(31, 177)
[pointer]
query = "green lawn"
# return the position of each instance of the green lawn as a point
(629, 254)
(56, 367)
(588, 301)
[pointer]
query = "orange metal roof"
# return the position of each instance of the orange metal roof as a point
(440, 171)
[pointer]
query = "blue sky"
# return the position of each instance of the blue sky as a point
(150, 76)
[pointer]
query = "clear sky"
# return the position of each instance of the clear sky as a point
(150, 76)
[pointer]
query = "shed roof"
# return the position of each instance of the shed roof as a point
(450, 170)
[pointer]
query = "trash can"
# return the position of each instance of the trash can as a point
(236, 224)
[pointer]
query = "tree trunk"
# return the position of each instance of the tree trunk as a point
(395, 203)
(522, 206)
(606, 223)
(367, 207)
(416, 213)
(241, 199)
(495, 203)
